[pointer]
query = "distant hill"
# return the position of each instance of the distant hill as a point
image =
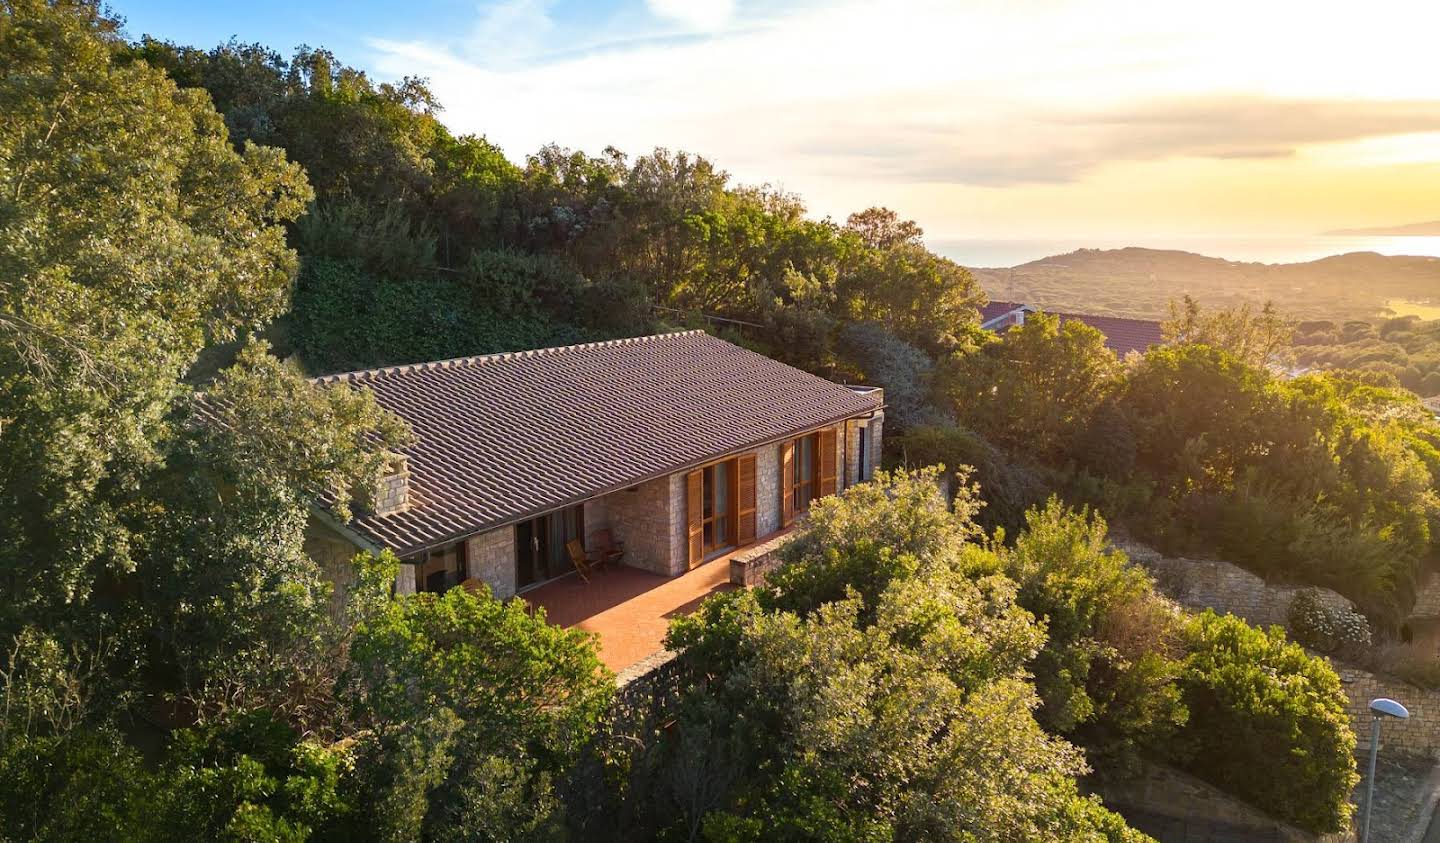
(1140, 283)
(1414, 229)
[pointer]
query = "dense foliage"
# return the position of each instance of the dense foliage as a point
(462, 252)
(1259, 704)
(1327, 478)
(877, 687)
(888, 599)
(1405, 348)
(176, 667)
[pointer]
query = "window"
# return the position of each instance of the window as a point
(864, 432)
(803, 472)
(441, 569)
(717, 499)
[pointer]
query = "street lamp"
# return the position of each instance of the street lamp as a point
(1378, 708)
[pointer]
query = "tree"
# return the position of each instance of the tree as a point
(131, 235)
(877, 687)
(475, 707)
(1035, 388)
(1268, 722)
(1106, 675)
(1259, 339)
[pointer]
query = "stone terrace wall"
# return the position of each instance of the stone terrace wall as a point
(1211, 584)
(1172, 805)
(1427, 600)
(1420, 735)
(750, 566)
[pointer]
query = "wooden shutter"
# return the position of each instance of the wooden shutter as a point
(787, 479)
(694, 524)
(745, 500)
(827, 463)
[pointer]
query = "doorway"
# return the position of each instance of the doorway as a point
(540, 552)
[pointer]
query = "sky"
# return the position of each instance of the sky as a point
(977, 118)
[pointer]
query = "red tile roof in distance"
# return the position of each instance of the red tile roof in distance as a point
(506, 436)
(1122, 335)
(997, 308)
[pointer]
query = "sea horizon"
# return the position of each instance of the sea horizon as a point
(1000, 253)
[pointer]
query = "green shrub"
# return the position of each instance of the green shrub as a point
(1267, 723)
(1008, 486)
(1106, 675)
(1325, 628)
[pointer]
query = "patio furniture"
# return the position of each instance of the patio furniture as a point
(604, 546)
(585, 563)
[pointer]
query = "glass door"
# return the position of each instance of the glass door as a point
(540, 552)
(717, 501)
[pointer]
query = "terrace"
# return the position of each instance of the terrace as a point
(629, 609)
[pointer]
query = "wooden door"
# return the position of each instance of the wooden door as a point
(827, 461)
(694, 516)
(787, 480)
(745, 500)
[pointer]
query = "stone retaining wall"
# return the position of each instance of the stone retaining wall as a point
(1169, 804)
(1420, 735)
(1427, 599)
(1212, 584)
(750, 566)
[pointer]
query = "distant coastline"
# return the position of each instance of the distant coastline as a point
(1004, 253)
(1416, 229)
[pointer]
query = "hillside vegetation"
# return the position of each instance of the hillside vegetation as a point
(186, 233)
(1141, 283)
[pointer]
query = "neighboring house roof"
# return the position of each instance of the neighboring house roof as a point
(506, 436)
(996, 309)
(1122, 335)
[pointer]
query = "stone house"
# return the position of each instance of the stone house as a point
(682, 446)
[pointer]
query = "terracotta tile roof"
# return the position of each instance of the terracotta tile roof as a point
(997, 308)
(1122, 335)
(505, 436)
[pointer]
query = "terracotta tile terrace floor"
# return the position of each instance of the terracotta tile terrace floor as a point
(628, 608)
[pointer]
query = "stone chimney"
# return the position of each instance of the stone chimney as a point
(392, 490)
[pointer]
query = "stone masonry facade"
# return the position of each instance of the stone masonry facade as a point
(491, 558)
(648, 518)
(640, 518)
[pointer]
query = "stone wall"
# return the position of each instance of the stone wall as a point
(640, 517)
(1211, 584)
(749, 567)
(1169, 804)
(334, 554)
(1419, 735)
(1427, 599)
(596, 517)
(491, 559)
(767, 490)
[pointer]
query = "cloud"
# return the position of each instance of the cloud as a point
(857, 98)
(705, 15)
(1038, 146)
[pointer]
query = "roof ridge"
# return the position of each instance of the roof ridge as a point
(477, 359)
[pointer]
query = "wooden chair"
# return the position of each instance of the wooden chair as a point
(578, 558)
(605, 548)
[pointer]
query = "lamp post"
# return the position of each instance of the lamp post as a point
(1378, 708)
